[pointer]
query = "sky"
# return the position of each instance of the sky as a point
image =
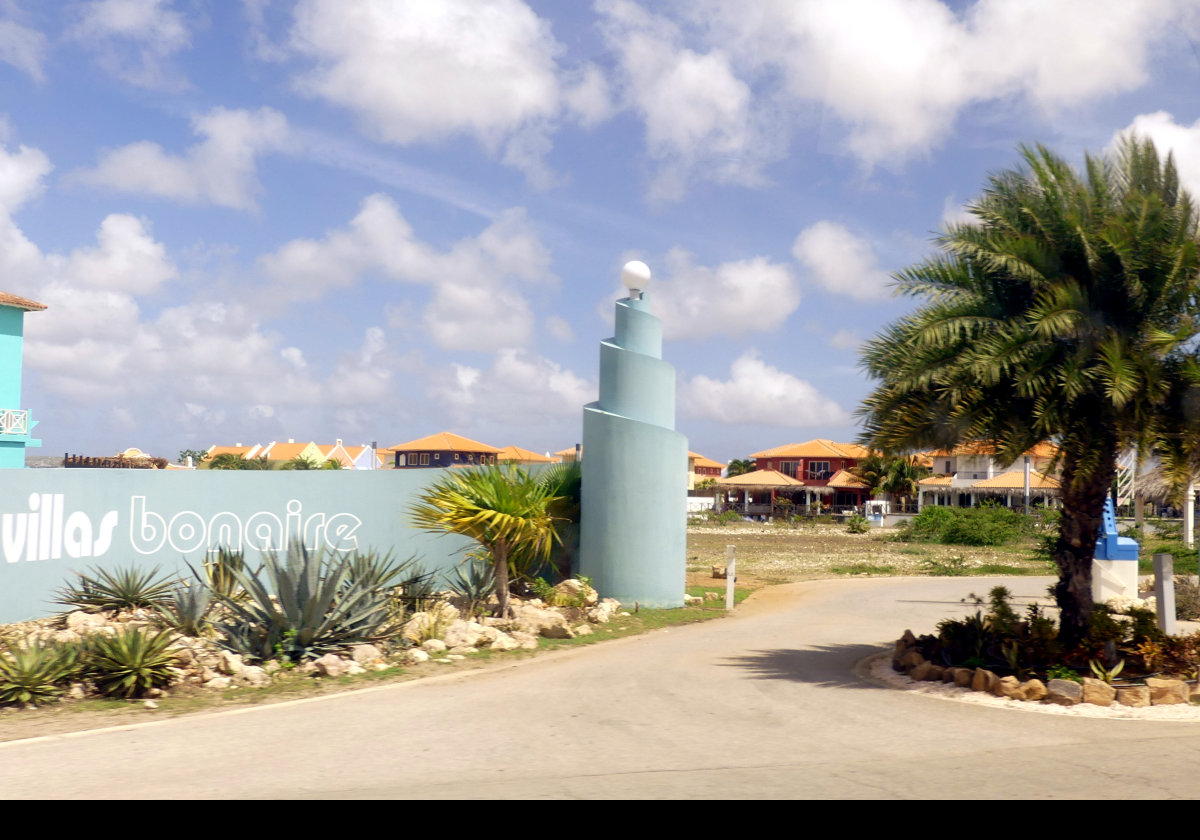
(374, 221)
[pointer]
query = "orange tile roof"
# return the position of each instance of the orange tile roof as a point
(936, 481)
(516, 453)
(1015, 480)
(18, 302)
(214, 451)
(286, 451)
(562, 453)
(760, 478)
(815, 448)
(846, 480)
(701, 461)
(444, 442)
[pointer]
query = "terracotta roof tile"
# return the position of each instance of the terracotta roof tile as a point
(18, 302)
(444, 442)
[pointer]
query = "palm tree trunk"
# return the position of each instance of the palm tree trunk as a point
(500, 567)
(1083, 493)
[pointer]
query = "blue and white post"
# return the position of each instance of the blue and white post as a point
(633, 533)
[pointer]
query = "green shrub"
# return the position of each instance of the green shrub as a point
(978, 526)
(1187, 601)
(121, 589)
(858, 524)
(476, 582)
(131, 662)
(187, 610)
(306, 605)
(36, 674)
(955, 566)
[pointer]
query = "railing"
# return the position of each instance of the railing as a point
(14, 421)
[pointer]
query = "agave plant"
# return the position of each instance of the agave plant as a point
(219, 573)
(121, 589)
(187, 611)
(474, 581)
(37, 674)
(303, 606)
(131, 662)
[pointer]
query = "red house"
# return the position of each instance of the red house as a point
(823, 466)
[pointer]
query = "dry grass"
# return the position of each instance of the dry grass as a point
(770, 554)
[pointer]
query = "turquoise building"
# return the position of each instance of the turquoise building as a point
(633, 529)
(15, 422)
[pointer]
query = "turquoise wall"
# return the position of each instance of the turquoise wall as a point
(54, 522)
(11, 326)
(634, 505)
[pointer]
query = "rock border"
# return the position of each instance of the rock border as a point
(1157, 699)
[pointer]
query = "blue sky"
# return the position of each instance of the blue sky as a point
(377, 220)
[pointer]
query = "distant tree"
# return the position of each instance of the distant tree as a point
(302, 462)
(737, 467)
(196, 455)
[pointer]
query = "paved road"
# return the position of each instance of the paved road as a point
(763, 704)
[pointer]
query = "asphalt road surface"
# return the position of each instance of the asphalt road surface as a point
(767, 703)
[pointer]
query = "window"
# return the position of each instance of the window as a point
(455, 456)
(401, 459)
(818, 470)
(789, 468)
(424, 459)
(437, 456)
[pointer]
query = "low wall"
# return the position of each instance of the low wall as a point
(55, 522)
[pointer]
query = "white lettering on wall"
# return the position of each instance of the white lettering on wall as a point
(44, 532)
(263, 530)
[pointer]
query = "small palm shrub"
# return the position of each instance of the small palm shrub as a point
(131, 662)
(858, 524)
(37, 674)
(120, 589)
(302, 606)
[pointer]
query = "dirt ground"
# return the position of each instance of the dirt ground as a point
(768, 554)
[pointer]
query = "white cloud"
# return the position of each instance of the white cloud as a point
(23, 48)
(133, 39)
(21, 175)
(560, 328)
(954, 212)
(734, 299)
(1170, 136)
(757, 393)
(517, 387)
(698, 113)
(894, 75)
(841, 262)
(476, 298)
(846, 340)
(423, 72)
(220, 169)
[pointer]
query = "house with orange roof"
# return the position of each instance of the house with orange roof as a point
(277, 452)
(976, 460)
(816, 463)
(1008, 487)
(351, 457)
(445, 449)
(517, 455)
(701, 468)
(570, 455)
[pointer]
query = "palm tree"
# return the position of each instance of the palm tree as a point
(901, 476)
(1065, 311)
(739, 467)
(504, 510)
(872, 471)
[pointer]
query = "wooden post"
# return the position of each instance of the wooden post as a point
(1164, 592)
(730, 576)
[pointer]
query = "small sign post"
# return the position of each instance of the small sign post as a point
(730, 576)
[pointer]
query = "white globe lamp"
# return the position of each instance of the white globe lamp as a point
(635, 276)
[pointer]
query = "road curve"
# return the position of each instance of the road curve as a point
(763, 704)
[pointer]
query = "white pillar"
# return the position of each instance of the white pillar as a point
(1189, 514)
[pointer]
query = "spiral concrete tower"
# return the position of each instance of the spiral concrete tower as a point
(634, 506)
